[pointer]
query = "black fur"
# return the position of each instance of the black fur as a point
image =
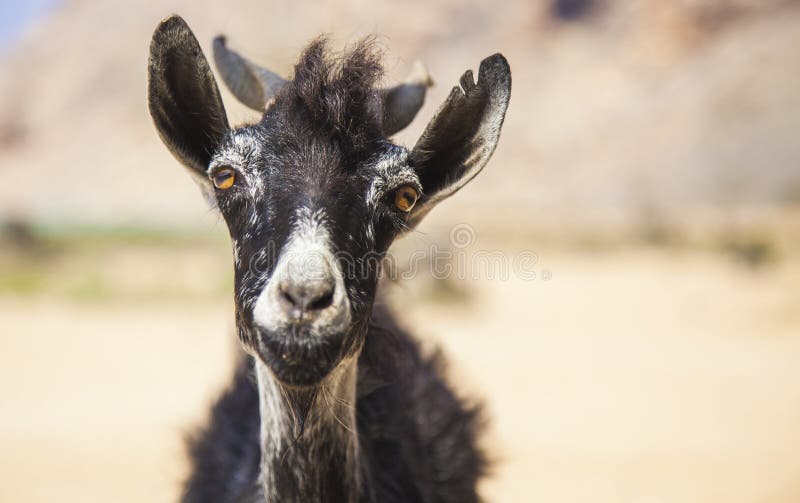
(179, 80)
(417, 438)
(225, 455)
(338, 94)
(321, 147)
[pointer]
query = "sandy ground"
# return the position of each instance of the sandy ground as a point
(632, 376)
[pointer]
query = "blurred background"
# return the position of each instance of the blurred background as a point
(650, 160)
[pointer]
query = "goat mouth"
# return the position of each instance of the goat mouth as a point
(300, 360)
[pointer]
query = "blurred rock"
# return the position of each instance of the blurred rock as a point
(572, 9)
(651, 105)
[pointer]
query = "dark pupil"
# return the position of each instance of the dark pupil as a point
(222, 177)
(407, 196)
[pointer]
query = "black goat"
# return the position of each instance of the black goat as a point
(332, 401)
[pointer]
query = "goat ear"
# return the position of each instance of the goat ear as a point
(461, 137)
(183, 97)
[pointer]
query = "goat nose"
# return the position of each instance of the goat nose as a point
(305, 299)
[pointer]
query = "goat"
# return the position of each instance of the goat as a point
(331, 400)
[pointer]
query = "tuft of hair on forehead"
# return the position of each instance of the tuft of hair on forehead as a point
(338, 90)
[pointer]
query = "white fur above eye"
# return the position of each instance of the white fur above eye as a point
(391, 171)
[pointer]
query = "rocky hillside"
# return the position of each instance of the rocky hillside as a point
(619, 108)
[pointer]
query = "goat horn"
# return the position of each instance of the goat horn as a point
(402, 102)
(251, 84)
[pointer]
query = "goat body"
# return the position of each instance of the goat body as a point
(417, 440)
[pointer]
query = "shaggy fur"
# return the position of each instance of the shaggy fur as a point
(332, 403)
(338, 93)
(416, 436)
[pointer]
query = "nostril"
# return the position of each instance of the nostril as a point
(324, 300)
(306, 298)
(288, 298)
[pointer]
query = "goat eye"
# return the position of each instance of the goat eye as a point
(224, 178)
(405, 198)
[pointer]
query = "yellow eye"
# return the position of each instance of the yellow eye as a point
(224, 178)
(405, 198)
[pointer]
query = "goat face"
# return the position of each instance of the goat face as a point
(314, 193)
(309, 227)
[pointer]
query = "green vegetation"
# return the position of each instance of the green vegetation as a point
(92, 263)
